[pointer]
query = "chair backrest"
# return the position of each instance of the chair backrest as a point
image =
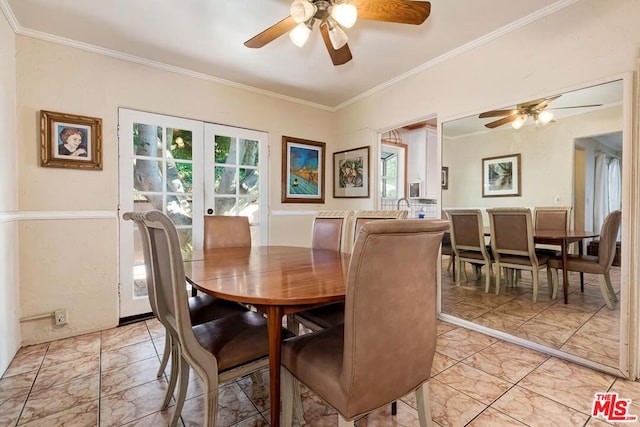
(362, 217)
(226, 231)
(512, 232)
(608, 236)
(552, 217)
(467, 231)
(392, 271)
(330, 229)
(164, 264)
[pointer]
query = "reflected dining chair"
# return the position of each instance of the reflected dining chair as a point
(218, 350)
(601, 264)
(553, 218)
(447, 249)
(467, 241)
(362, 217)
(513, 247)
(372, 359)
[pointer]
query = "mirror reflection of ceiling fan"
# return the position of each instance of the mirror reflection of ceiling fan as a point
(537, 109)
(334, 15)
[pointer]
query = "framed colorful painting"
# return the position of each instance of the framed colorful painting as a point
(351, 173)
(302, 170)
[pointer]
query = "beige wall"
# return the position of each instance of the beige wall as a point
(9, 281)
(68, 256)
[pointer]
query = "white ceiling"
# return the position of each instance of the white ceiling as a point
(205, 38)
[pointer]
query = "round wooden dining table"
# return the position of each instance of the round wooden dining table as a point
(277, 280)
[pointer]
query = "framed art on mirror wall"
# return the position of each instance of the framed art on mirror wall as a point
(70, 141)
(351, 173)
(501, 176)
(302, 170)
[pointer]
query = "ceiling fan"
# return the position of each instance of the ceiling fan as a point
(334, 15)
(537, 109)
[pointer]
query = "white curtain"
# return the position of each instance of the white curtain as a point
(601, 191)
(615, 184)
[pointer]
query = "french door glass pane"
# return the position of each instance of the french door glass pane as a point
(249, 152)
(249, 181)
(225, 180)
(226, 206)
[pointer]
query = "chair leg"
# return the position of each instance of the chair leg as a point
(555, 281)
(182, 389)
(536, 282)
(286, 420)
(211, 401)
(175, 370)
(498, 278)
(607, 279)
(165, 355)
(550, 282)
(423, 402)
(458, 269)
(487, 280)
(293, 325)
(344, 423)
(605, 291)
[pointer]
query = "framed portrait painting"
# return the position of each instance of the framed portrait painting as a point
(351, 173)
(444, 178)
(501, 176)
(70, 141)
(302, 170)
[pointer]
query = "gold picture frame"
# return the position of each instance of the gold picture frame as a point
(70, 141)
(351, 173)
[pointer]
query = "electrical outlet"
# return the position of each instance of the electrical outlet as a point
(60, 317)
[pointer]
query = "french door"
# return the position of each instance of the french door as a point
(179, 167)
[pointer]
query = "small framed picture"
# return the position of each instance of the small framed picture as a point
(302, 170)
(70, 141)
(351, 173)
(501, 176)
(415, 190)
(444, 178)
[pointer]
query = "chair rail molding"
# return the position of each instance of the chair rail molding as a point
(55, 215)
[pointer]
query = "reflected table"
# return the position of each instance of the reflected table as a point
(277, 280)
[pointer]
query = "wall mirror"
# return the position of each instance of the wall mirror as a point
(570, 153)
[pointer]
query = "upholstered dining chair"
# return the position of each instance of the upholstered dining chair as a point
(329, 315)
(447, 249)
(467, 241)
(329, 231)
(554, 218)
(371, 359)
(202, 308)
(218, 350)
(362, 217)
(513, 247)
(601, 264)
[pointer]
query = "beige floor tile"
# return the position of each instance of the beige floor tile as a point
(27, 359)
(440, 363)
(543, 333)
(156, 419)
(507, 361)
(132, 404)
(128, 376)
(17, 385)
(233, 407)
(126, 355)
(567, 383)
(257, 392)
(492, 418)
(54, 375)
(406, 417)
(85, 415)
(473, 382)
(460, 343)
(155, 328)
(450, 407)
(71, 349)
(499, 321)
(125, 335)
(60, 398)
(10, 410)
(534, 409)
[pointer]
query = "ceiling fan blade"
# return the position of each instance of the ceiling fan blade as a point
(576, 106)
(496, 113)
(502, 121)
(339, 56)
(271, 33)
(539, 104)
(399, 11)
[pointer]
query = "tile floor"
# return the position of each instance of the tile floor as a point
(108, 378)
(584, 327)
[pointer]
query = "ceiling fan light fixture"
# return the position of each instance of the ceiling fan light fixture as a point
(302, 10)
(519, 122)
(336, 34)
(300, 33)
(544, 117)
(346, 14)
